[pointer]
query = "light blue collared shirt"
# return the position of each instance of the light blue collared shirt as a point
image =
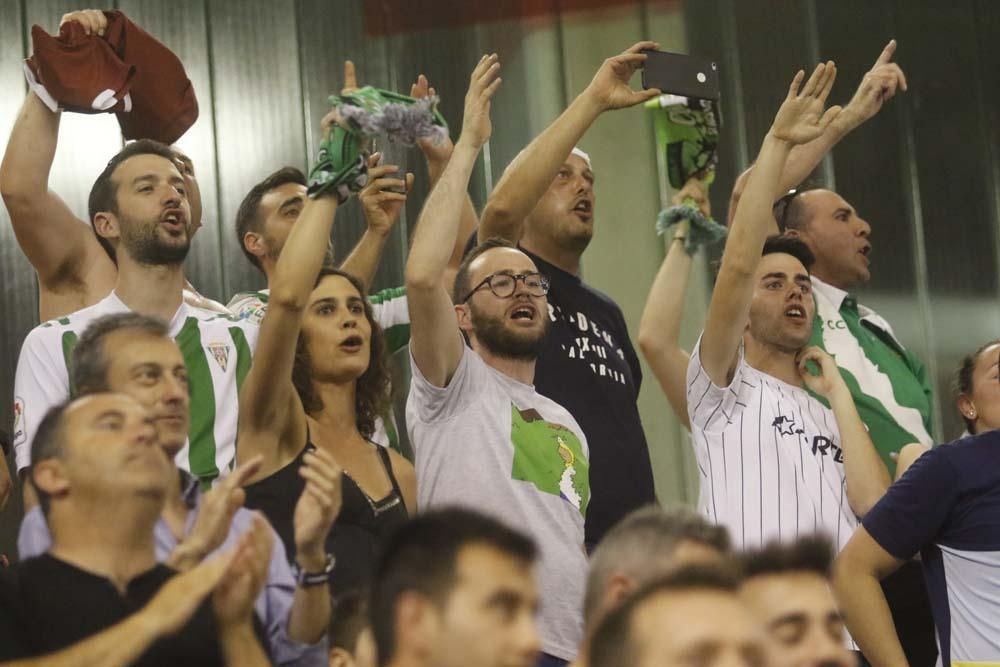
(274, 603)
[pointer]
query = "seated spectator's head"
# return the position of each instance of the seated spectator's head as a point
(96, 452)
(978, 386)
(134, 354)
(787, 588)
(834, 232)
(266, 216)
(139, 205)
(691, 617)
(500, 299)
(456, 588)
(648, 544)
(341, 343)
(564, 217)
(782, 308)
(350, 632)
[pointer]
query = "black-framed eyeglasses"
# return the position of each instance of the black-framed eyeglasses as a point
(780, 208)
(505, 284)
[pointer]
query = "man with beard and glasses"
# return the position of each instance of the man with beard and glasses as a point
(139, 208)
(483, 437)
(545, 202)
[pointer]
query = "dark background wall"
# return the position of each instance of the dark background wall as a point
(925, 172)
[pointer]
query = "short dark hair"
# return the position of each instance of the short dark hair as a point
(372, 395)
(248, 214)
(89, 365)
(421, 556)
(462, 281)
(613, 644)
(963, 377)
(789, 245)
(104, 193)
(49, 443)
(811, 553)
(348, 618)
(648, 530)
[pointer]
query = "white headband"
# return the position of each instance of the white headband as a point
(580, 154)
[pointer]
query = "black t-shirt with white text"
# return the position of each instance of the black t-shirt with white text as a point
(588, 366)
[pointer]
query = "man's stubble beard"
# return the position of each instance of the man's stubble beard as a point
(493, 335)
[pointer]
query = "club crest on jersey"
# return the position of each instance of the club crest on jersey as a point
(221, 353)
(785, 425)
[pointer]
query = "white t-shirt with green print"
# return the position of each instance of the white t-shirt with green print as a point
(217, 351)
(492, 444)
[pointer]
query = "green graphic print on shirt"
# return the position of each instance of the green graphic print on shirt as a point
(549, 456)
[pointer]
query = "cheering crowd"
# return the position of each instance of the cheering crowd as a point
(208, 484)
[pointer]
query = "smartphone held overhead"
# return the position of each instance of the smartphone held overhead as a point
(681, 74)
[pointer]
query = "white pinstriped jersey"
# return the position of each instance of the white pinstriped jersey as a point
(769, 457)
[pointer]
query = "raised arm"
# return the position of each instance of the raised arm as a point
(272, 420)
(878, 85)
(530, 174)
(435, 341)
(866, 476)
(660, 327)
(799, 120)
(437, 151)
(381, 214)
(61, 247)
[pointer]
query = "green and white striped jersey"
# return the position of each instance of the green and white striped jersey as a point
(217, 351)
(390, 310)
(889, 385)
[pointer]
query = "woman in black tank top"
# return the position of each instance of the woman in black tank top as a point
(318, 382)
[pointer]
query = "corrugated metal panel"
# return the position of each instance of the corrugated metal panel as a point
(258, 110)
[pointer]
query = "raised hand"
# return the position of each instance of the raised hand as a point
(801, 117)
(236, 592)
(828, 380)
(878, 85)
(476, 124)
(436, 148)
(694, 189)
(175, 603)
(350, 78)
(94, 21)
(610, 86)
(215, 515)
(317, 508)
(381, 198)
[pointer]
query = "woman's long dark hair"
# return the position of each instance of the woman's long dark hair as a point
(372, 394)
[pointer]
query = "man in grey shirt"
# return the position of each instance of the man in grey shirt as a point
(483, 437)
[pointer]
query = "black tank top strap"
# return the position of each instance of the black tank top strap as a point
(383, 453)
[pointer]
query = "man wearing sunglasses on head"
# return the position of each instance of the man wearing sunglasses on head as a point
(483, 437)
